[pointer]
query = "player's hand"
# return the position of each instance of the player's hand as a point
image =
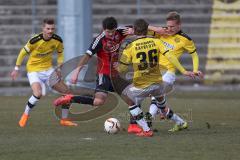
(190, 74)
(128, 31)
(199, 74)
(14, 74)
(74, 77)
(163, 31)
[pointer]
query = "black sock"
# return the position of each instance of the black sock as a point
(83, 100)
(65, 106)
(132, 120)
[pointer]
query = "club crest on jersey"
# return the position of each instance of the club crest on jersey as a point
(177, 40)
(168, 46)
(111, 46)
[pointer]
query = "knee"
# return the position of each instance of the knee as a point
(61, 88)
(37, 94)
(98, 102)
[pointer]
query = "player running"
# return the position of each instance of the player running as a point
(39, 67)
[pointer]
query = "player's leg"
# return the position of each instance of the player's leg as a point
(169, 78)
(35, 83)
(168, 113)
(119, 85)
(54, 82)
(61, 87)
(99, 98)
(103, 86)
(133, 99)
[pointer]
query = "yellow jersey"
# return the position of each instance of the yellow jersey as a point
(179, 42)
(40, 53)
(143, 54)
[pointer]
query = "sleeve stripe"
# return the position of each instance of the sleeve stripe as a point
(192, 52)
(97, 40)
(165, 52)
(89, 53)
(124, 63)
(26, 49)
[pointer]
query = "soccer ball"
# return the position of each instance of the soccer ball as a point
(112, 126)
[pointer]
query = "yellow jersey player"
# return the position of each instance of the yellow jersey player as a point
(143, 55)
(174, 38)
(39, 67)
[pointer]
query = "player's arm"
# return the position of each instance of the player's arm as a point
(195, 61)
(126, 30)
(124, 61)
(190, 47)
(158, 29)
(93, 49)
(122, 67)
(60, 54)
(173, 59)
(83, 61)
(22, 54)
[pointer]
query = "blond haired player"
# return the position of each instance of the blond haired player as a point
(143, 55)
(174, 38)
(39, 67)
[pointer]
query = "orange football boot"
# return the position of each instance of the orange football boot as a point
(67, 122)
(145, 133)
(134, 128)
(23, 121)
(66, 99)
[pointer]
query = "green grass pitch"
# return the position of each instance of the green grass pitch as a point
(214, 132)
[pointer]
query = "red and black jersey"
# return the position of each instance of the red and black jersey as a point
(106, 49)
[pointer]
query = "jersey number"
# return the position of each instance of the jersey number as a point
(152, 59)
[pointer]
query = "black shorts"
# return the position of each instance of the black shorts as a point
(104, 84)
(114, 84)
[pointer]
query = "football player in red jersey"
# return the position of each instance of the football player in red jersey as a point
(105, 46)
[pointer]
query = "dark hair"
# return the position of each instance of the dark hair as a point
(109, 23)
(140, 27)
(48, 21)
(173, 16)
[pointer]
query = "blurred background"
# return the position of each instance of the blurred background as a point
(214, 25)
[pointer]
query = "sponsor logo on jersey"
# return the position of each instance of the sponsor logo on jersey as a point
(111, 46)
(42, 54)
(168, 46)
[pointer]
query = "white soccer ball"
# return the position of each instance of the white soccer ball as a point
(112, 126)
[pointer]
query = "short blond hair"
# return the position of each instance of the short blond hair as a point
(174, 16)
